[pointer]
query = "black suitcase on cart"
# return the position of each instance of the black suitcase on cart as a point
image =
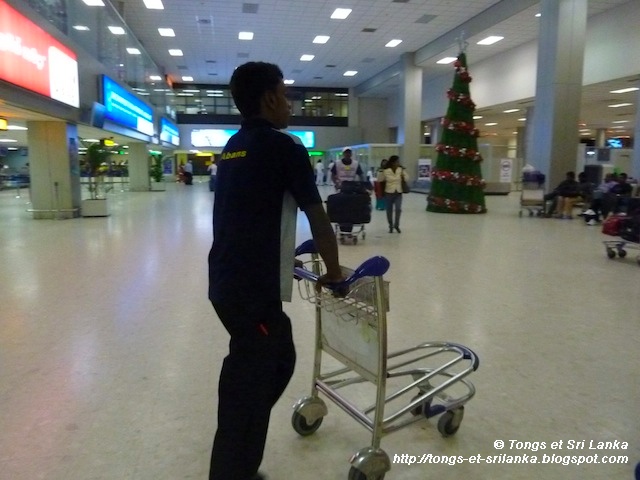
(349, 208)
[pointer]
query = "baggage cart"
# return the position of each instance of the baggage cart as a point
(532, 194)
(625, 227)
(382, 391)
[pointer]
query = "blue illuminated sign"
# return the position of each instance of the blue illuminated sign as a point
(124, 108)
(169, 132)
(216, 137)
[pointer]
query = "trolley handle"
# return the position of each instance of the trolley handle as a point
(373, 267)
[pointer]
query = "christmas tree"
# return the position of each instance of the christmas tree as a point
(457, 185)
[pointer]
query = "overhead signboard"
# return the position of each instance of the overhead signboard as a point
(217, 137)
(124, 108)
(33, 59)
(169, 132)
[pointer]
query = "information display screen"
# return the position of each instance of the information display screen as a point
(169, 132)
(217, 137)
(124, 108)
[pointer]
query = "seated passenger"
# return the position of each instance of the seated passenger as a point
(568, 192)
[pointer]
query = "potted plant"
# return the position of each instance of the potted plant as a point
(95, 159)
(156, 174)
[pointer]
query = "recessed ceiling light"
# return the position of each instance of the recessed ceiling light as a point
(166, 32)
(350, 73)
(621, 121)
(245, 36)
(289, 81)
(190, 91)
(625, 90)
(341, 13)
(155, 78)
(446, 60)
(511, 110)
(490, 40)
(8, 140)
(321, 39)
(393, 43)
(81, 28)
(175, 52)
(618, 105)
(490, 124)
(522, 119)
(538, 15)
(94, 3)
(307, 58)
(117, 30)
(187, 79)
(133, 51)
(153, 4)
(477, 117)
(16, 127)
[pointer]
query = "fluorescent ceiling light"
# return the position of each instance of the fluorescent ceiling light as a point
(245, 36)
(307, 58)
(393, 43)
(625, 90)
(621, 121)
(187, 79)
(321, 39)
(15, 127)
(341, 13)
(490, 124)
(522, 119)
(538, 15)
(8, 140)
(175, 52)
(155, 78)
(94, 3)
(166, 32)
(191, 91)
(289, 82)
(117, 30)
(133, 51)
(618, 105)
(446, 60)
(511, 110)
(153, 4)
(350, 73)
(477, 117)
(215, 91)
(490, 40)
(81, 28)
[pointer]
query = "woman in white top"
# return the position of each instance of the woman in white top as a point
(393, 176)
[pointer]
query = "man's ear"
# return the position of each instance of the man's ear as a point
(269, 101)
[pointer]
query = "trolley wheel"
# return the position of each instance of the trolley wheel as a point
(301, 426)
(364, 235)
(520, 213)
(355, 240)
(531, 213)
(355, 474)
(449, 422)
(342, 240)
(622, 253)
(611, 253)
(422, 409)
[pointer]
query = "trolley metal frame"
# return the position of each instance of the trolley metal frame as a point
(353, 330)
(613, 247)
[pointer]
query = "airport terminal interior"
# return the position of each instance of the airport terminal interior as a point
(110, 351)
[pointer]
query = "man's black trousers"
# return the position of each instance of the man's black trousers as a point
(255, 373)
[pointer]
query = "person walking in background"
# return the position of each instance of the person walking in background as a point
(319, 173)
(329, 174)
(213, 175)
(264, 175)
(378, 187)
(188, 173)
(346, 170)
(393, 177)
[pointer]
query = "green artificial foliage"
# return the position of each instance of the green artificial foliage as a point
(95, 159)
(156, 171)
(457, 185)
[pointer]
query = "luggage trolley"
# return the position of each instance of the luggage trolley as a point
(349, 210)
(532, 195)
(407, 386)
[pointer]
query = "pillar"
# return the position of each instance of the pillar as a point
(635, 161)
(138, 167)
(601, 137)
(409, 130)
(554, 146)
(54, 169)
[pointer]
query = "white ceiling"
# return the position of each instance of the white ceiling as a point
(207, 33)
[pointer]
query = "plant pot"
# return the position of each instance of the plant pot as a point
(98, 207)
(157, 187)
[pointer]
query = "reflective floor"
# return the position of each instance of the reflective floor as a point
(110, 351)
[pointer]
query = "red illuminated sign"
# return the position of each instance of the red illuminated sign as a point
(33, 59)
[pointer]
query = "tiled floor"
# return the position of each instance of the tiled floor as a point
(110, 351)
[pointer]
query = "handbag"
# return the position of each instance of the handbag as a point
(405, 186)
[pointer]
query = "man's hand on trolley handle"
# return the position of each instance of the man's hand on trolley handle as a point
(334, 281)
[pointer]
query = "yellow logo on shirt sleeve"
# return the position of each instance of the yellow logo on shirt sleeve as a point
(232, 155)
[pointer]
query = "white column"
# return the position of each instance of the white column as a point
(601, 137)
(635, 163)
(54, 169)
(138, 167)
(409, 130)
(554, 147)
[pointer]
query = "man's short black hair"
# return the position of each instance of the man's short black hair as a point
(250, 82)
